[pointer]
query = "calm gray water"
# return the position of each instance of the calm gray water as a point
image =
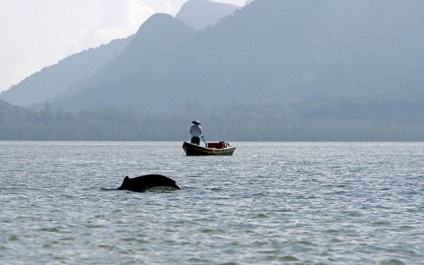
(269, 203)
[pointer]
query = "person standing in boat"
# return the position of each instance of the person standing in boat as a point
(196, 132)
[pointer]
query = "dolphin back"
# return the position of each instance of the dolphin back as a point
(142, 183)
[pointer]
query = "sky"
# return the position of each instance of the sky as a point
(39, 33)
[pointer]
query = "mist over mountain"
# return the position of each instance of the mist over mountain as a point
(10, 113)
(203, 13)
(279, 51)
(99, 65)
(157, 37)
(323, 68)
(53, 80)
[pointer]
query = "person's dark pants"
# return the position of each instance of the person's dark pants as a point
(195, 140)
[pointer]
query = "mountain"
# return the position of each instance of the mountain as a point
(53, 80)
(273, 70)
(10, 113)
(155, 39)
(288, 53)
(203, 13)
(98, 65)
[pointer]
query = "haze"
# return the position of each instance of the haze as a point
(39, 33)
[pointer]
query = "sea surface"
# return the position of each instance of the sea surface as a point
(269, 203)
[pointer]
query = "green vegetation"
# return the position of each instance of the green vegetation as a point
(239, 124)
(274, 70)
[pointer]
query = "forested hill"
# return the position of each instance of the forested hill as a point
(96, 66)
(53, 80)
(273, 70)
(286, 52)
(293, 53)
(233, 124)
(158, 36)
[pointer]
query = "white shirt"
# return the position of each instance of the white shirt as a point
(196, 130)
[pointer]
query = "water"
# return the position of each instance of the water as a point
(269, 203)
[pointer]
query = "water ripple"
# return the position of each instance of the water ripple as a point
(270, 203)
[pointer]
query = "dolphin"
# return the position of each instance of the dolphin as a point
(142, 183)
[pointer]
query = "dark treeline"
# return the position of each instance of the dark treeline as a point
(241, 124)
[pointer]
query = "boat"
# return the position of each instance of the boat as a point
(213, 148)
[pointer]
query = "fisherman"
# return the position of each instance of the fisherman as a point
(196, 132)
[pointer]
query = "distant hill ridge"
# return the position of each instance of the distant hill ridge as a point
(53, 80)
(85, 69)
(326, 50)
(302, 56)
(158, 36)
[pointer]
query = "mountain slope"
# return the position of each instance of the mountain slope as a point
(53, 80)
(113, 84)
(279, 51)
(10, 113)
(93, 67)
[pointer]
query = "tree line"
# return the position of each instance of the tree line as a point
(231, 125)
